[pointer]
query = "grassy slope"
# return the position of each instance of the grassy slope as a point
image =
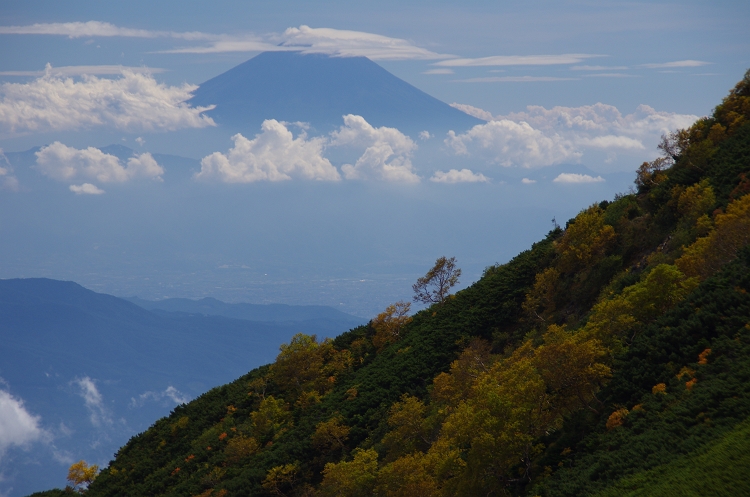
(719, 468)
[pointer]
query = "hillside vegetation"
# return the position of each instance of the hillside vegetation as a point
(611, 358)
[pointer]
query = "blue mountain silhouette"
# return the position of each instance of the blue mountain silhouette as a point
(320, 89)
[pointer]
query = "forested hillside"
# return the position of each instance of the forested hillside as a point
(611, 358)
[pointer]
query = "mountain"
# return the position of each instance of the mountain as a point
(610, 358)
(255, 312)
(320, 89)
(97, 369)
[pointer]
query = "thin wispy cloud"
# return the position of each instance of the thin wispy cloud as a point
(598, 68)
(573, 178)
(336, 42)
(99, 415)
(99, 29)
(513, 79)
(610, 75)
(112, 70)
(518, 60)
(439, 71)
(676, 64)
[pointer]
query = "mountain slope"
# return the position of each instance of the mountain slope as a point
(617, 344)
(320, 89)
(97, 369)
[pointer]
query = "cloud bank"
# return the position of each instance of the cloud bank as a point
(510, 143)
(273, 155)
(540, 137)
(62, 163)
(133, 102)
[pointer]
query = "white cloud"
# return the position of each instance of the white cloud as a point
(132, 102)
(63, 163)
(273, 155)
(7, 180)
(111, 70)
(337, 42)
(517, 60)
(473, 111)
(387, 151)
(510, 143)
(571, 132)
(527, 181)
(352, 43)
(94, 402)
(598, 68)
(577, 178)
(170, 393)
(425, 135)
(456, 176)
(513, 79)
(98, 28)
(86, 189)
(444, 70)
(18, 427)
(677, 63)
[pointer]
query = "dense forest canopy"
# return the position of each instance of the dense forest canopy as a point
(611, 357)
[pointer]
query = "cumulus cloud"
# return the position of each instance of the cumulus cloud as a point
(517, 60)
(98, 414)
(170, 393)
(456, 176)
(566, 133)
(86, 189)
(527, 181)
(387, 154)
(273, 155)
(425, 135)
(510, 143)
(18, 427)
(62, 163)
(577, 178)
(132, 102)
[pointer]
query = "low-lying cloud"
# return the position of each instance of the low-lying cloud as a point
(273, 155)
(18, 427)
(132, 102)
(170, 394)
(577, 178)
(99, 415)
(544, 137)
(509, 143)
(68, 164)
(456, 176)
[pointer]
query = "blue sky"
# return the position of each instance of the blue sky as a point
(575, 95)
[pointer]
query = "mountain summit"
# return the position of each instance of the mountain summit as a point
(320, 89)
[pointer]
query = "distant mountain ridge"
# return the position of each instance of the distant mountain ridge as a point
(57, 337)
(320, 89)
(253, 312)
